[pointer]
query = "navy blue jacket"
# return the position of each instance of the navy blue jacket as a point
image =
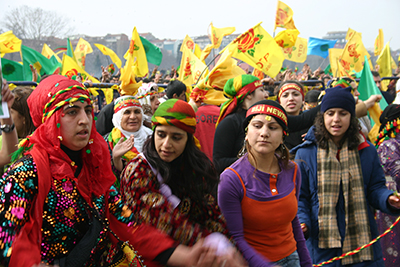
(376, 194)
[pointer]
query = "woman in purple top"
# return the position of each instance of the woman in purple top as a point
(258, 194)
(389, 155)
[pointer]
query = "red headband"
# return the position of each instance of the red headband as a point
(290, 86)
(268, 110)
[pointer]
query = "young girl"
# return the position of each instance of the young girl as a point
(258, 194)
(342, 183)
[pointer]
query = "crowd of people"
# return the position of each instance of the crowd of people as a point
(282, 172)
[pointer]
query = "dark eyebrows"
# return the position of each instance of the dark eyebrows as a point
(164, 132)
(66, 107)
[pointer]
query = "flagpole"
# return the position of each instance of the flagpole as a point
(321, 63)
(206, 68)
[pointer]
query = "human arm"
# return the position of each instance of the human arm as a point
(376, 191)
(304, 255)
(230, 194)
(18, 188)
(304, 209)
(303, 121)
(142, 192)
(9, 140)
(228, 135)
(389, 154)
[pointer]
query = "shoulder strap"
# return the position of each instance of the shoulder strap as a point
(240, 178)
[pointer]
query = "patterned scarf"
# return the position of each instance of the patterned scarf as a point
(113, 139)
(331, 173)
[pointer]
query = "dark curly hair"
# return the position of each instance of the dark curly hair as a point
(322, 135)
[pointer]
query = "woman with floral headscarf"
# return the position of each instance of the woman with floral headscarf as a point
(127, 137)
(57, 205)
(172, 184)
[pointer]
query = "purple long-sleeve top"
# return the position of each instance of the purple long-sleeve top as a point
(231, 193)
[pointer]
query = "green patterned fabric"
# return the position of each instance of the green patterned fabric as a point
(176, 113)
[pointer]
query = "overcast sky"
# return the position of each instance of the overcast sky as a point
(176, 18)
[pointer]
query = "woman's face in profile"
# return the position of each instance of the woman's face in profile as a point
(170, 142)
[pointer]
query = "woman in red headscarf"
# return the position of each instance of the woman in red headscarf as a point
(57, 203)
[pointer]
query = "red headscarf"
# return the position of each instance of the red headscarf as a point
(52, 162)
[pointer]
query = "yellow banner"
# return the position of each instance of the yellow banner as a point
(138, 53)
(9, 43)
(297, 53)
(284, 17)
(258, 49)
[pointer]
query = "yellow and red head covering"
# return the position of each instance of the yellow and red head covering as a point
(290, 86)
(236, 89)
(177, 113)
(46, 104)
(126, 102)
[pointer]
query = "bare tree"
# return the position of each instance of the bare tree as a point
(36, 24)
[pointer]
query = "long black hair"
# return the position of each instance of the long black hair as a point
(192, 173)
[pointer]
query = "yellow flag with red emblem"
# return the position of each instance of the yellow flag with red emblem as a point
(284, 17)
(138, 53)
(335, 55)
(350, 33)
(258, 49)
(129, 86)
(81, 50)
(353, 54)
(191, 68)
(9, 43)
(217, 34)
(378, 46)
(191, 45)
(108, 52)
(287, 38)
(70, 68)
(210, 87)
(297, 53)
(48, 52)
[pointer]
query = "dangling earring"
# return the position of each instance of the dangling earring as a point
(243, 149)
(283, 151)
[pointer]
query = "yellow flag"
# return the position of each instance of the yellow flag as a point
(81, 50)
(258, 49)
(47, 52)
(378, 46)
(217, 34)
(191, 68)
(108, 52)
(287, 38)
(384, 62)
(353, 54)
(138, 53)
(9, 43)
(297, 53)
(206, 51)
(129, 86)
(71, 68)
(350, 33)
(210, 87)
(335, 55)
(284, 17)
